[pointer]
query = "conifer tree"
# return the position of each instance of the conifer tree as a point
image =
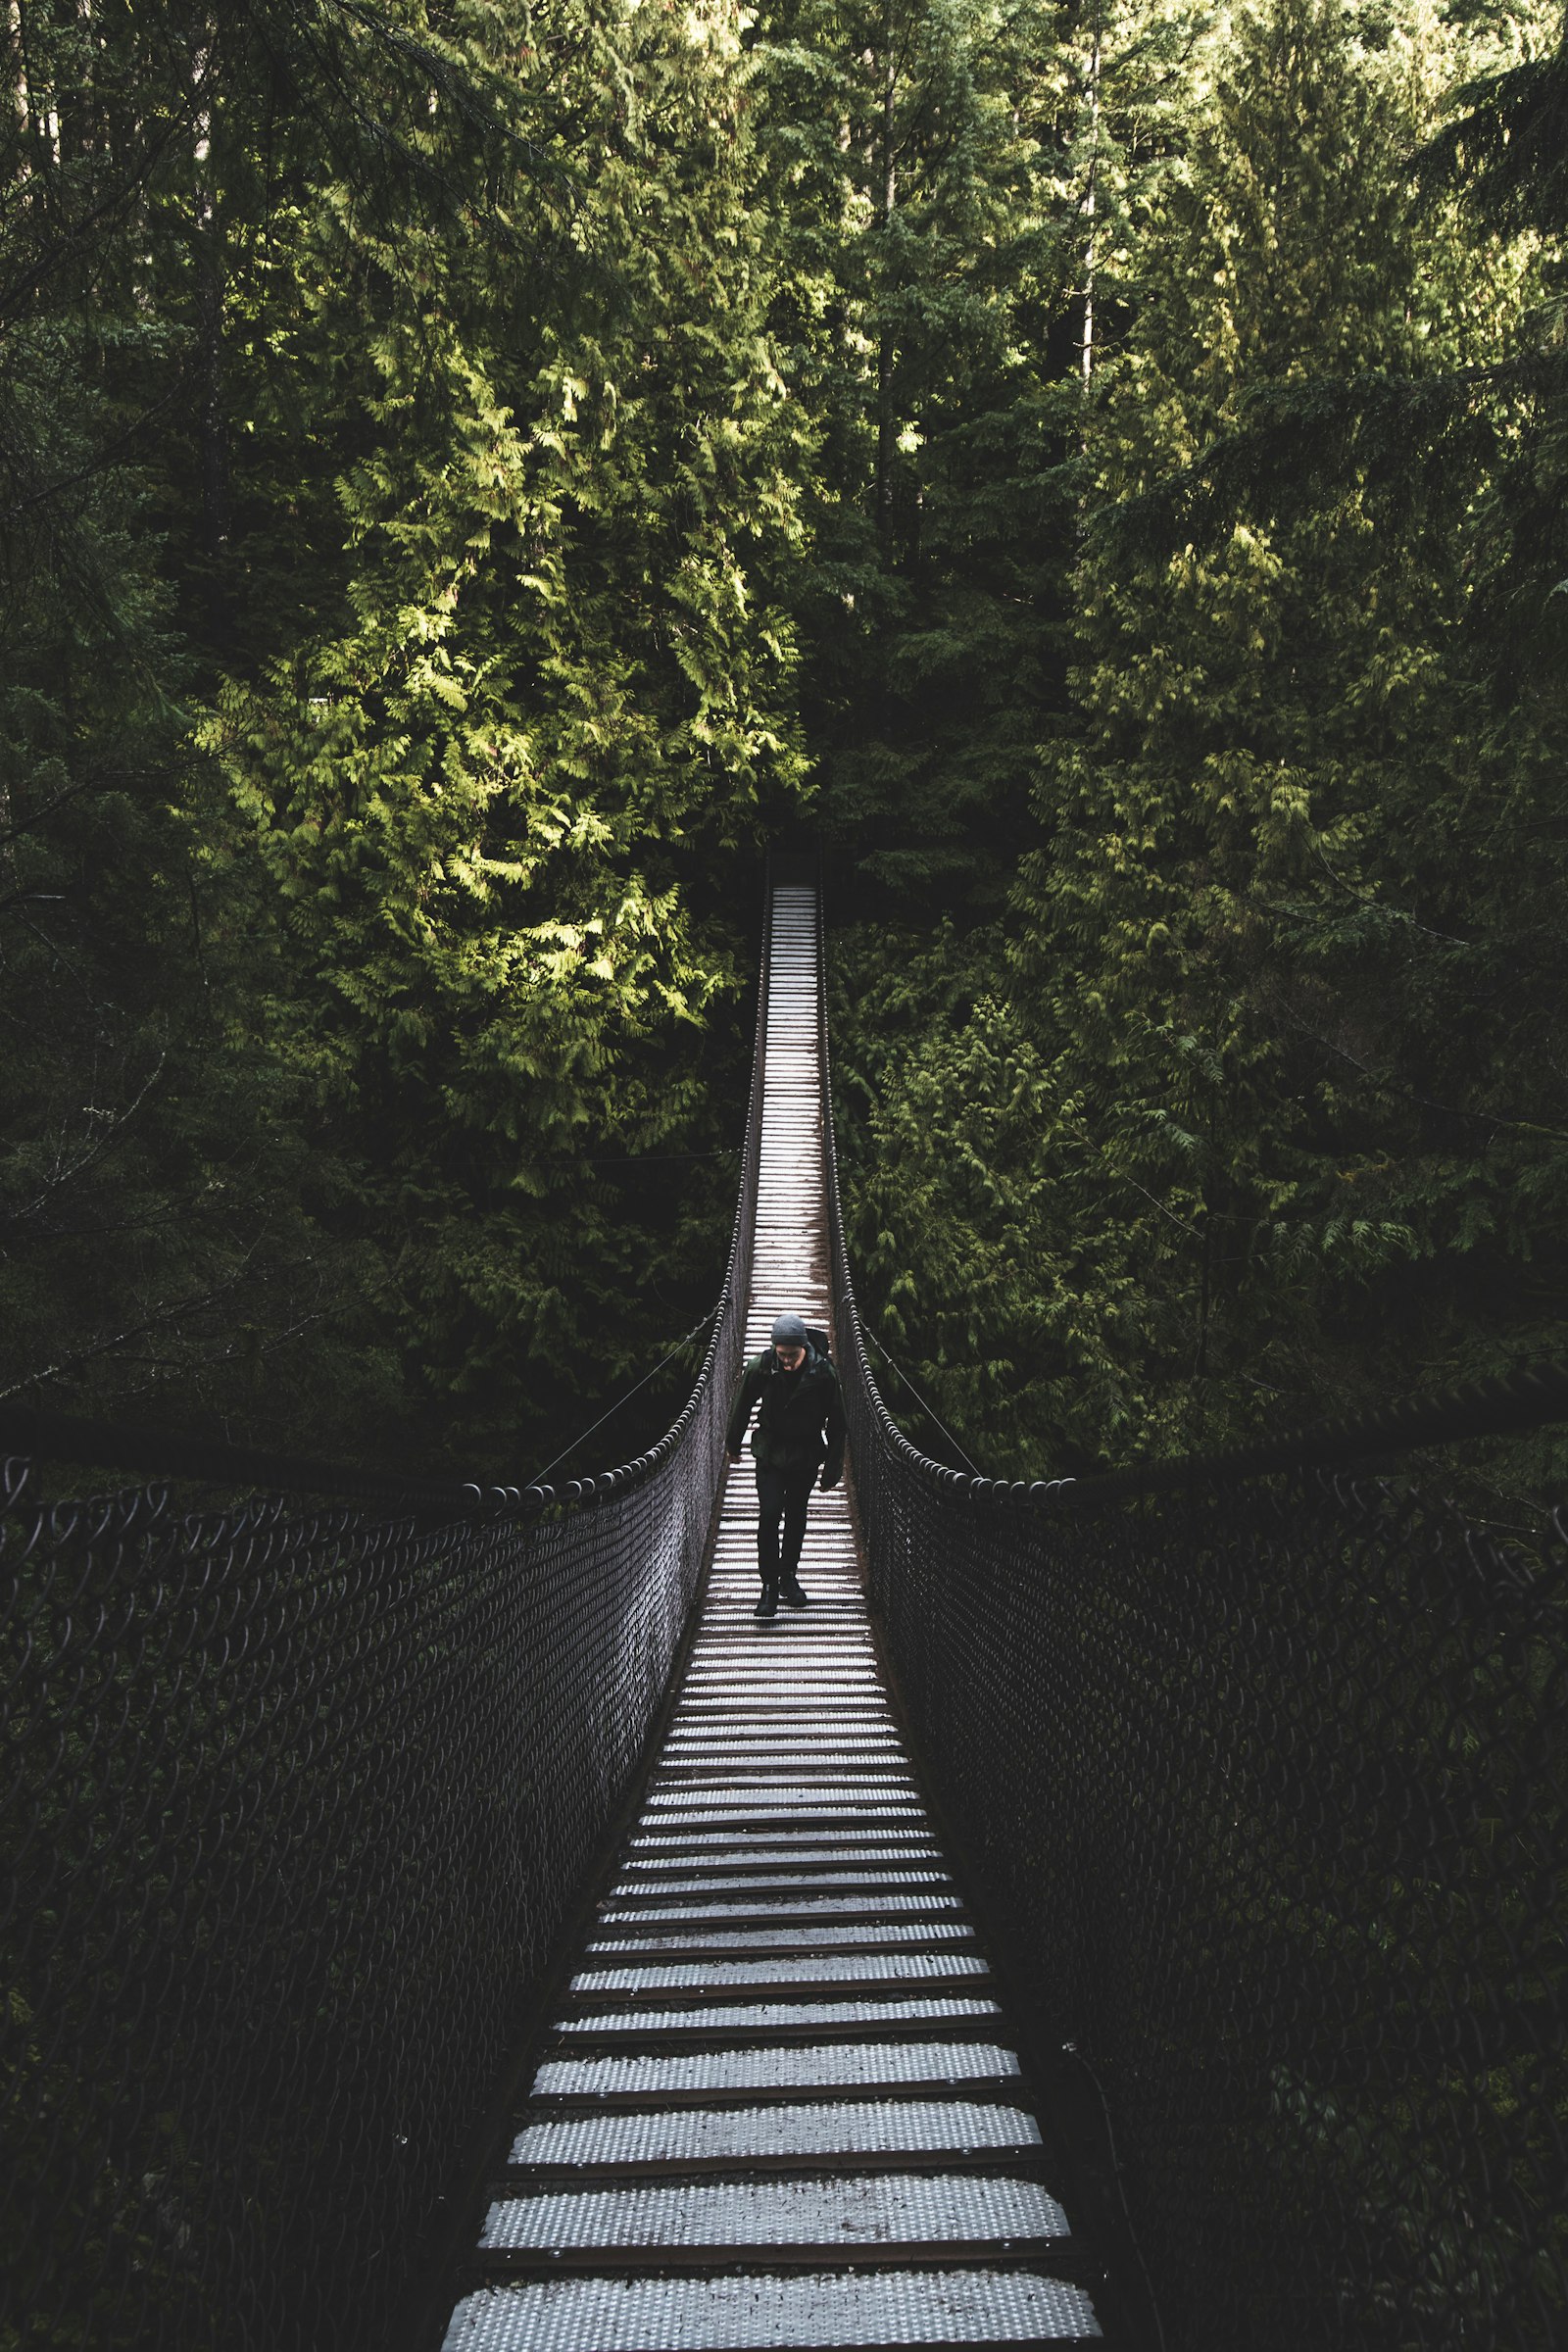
(452, 324)
(923, 292)
(1246, 863)
(1254, 1129)
(561, 693)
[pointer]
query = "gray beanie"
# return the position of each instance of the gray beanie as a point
(789, 1332)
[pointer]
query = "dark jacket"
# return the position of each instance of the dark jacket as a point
(799, 1421)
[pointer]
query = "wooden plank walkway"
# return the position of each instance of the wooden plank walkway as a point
(780, 2105)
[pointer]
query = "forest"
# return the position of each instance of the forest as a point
(473, 473)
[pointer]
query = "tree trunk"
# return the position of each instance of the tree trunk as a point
(1087, 352)
(20, 98)
(886, 429)
(213, 420)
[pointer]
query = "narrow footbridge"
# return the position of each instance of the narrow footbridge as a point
(1123, 1909)
(779, 2103)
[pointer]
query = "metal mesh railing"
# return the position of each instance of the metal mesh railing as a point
(1259, 1771)
(296, 1799)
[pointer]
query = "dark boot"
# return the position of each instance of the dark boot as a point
(768, 1603)
(792, 1593)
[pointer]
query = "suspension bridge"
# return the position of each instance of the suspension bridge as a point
(1121, 1910)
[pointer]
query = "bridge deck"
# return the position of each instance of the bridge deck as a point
(780, 2105)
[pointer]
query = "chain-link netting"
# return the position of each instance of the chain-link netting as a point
(1262, 1786)
(295, 1802)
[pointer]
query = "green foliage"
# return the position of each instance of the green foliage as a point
(471, 473)
(560, 687)
(937, 160)
(397, 675)
(1257, 1121)
(1010, 1319)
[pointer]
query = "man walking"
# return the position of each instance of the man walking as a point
(799, 1429)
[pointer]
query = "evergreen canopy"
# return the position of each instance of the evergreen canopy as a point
(471, 474)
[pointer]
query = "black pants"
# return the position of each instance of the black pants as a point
(781, 1494)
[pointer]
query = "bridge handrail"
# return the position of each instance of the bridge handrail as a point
(295, 1797)
(1257, 1766)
